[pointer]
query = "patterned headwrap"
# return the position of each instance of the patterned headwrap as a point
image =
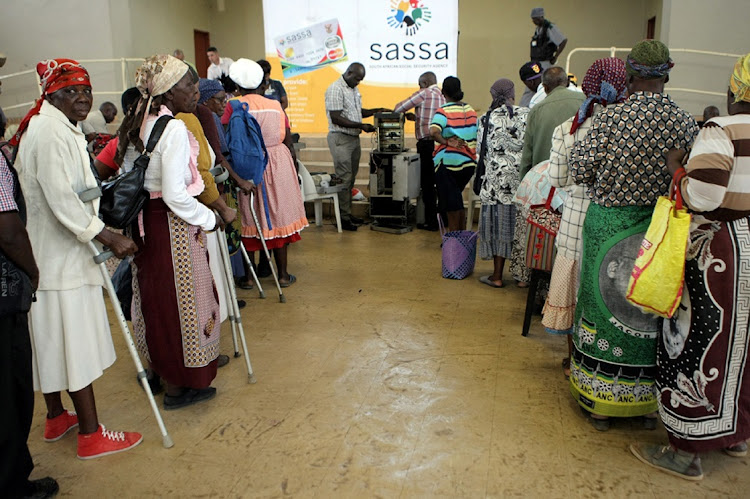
(208, 89)
(502, 91)
(605, 83)
(739, 82)
(158, 74)
(649, 59)
(54, 74)
(155, 77)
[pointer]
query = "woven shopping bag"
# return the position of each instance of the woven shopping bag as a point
(544, 222)
(459, 252)
(659, 271)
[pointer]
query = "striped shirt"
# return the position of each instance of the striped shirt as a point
(341, 97)
(718, 171)
(456, 119)
(425, 102)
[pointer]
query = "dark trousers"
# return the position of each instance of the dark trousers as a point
(425, 148)
(17, 393)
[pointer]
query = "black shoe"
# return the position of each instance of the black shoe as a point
(243, 283)
(430, 227)
(347, 225)
(264, 270)
(39, 489)
(189, 396)
(241, 303)
(222, 360)
(356, 220)
(154, 381)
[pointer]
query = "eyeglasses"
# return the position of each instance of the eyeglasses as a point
(220, 101)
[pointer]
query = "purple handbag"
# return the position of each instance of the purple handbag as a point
(459, 252)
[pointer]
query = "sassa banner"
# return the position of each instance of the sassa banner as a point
(310, 43)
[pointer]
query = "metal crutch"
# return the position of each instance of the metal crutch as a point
(221, 175)
(234, 314)
(99, 259)
(271, 264)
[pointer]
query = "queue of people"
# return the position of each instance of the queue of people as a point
(614, 150)
(596, 145)
(66, 344)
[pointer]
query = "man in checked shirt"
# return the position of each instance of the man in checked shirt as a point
(425, 101)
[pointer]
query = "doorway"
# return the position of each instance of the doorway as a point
(201, 41)
(651, 28)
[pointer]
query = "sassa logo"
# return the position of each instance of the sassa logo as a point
(409, 15)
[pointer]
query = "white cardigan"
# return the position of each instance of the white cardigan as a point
(54, 167)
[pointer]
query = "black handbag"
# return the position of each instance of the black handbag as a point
(123, 197)
(477, 186)
(16, 293)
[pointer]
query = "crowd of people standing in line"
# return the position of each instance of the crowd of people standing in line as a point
(614, 149)
(173, 247)
(593, 143)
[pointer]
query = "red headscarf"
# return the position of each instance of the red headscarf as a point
(54, 75)
(605, 83)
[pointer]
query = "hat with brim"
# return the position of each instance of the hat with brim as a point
(530, 71)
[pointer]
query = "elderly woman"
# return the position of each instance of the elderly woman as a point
(500, 133)
(703, 376)
(175, 302)
(71, 340)
(604, 84)
(214, 98)
(279, 204)
(613, 365)
(454, 128)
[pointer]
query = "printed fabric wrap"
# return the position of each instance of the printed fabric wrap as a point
(659, 271)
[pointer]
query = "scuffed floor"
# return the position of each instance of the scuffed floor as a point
(377, 378)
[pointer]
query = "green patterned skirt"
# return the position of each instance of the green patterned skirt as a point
(614, 343)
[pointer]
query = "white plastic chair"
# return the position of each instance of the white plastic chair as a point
(473, 203)
(310, 194)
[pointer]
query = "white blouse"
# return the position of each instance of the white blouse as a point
(169, 175)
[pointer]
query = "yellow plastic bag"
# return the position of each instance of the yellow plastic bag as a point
(659, 271)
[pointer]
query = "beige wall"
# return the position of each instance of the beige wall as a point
(238, 31)
(494, 36)
(493, 40)
(718, 25)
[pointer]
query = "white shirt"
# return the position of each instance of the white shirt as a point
(54, 167)
(541, 94)
(216, 70)
(168, 173)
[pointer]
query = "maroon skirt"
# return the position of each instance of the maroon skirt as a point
(175, 302)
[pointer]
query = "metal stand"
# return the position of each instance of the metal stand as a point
(394, 180)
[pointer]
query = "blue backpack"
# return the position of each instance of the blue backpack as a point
(247, 150)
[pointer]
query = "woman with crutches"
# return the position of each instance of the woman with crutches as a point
(175, 302)
(71, 340)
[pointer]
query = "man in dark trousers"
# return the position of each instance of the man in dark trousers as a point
(425, 102)
(19, 278)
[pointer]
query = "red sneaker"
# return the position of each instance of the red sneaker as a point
(104, 442)
(57, 427)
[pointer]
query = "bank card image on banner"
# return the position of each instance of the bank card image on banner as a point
(307, 49)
